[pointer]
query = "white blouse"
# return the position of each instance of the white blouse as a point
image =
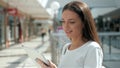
(89, 55)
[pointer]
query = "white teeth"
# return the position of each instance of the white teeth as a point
(68, 31)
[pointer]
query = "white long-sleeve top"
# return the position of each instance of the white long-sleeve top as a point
(89, 55)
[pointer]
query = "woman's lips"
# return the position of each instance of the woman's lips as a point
(68, 32)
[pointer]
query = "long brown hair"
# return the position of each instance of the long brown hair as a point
(89, 31)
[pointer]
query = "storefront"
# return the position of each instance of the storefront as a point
(14, 24)
(2, 36)
(8, 28)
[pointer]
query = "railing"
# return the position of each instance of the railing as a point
(112, 39)
(109, 41)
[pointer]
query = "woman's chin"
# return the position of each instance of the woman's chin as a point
(68, 36)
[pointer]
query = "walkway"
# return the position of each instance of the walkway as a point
(16, 57)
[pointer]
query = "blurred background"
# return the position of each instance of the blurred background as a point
(36, 24)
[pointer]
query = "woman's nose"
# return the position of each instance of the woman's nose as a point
(66, 25)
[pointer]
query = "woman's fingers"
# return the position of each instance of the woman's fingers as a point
(42, 64)
(52, 65)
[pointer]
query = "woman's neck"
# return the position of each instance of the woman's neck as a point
(76, 43)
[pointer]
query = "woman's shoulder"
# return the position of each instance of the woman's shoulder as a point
(93, 44)
(94, 47)
(65, 47)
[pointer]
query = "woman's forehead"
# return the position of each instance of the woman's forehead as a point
(69, 14)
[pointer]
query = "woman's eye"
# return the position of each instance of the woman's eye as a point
(61, 21)
(72, 22)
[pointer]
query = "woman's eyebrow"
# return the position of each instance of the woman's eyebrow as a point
(68, 19)
(71, 19)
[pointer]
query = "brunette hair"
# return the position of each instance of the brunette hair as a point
(89, 31)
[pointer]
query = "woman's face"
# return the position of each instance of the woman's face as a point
(72, 24)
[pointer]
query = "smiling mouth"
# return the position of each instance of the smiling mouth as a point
(68, 32)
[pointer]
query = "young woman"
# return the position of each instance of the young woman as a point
(84, 51)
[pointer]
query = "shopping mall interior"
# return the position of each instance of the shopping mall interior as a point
(23, 21)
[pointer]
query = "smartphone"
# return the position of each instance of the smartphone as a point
(34, 54)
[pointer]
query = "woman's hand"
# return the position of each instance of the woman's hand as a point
(44, 65)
